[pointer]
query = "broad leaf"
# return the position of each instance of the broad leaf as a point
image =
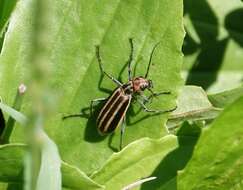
(136, 161)
(6, 8)
(11, 169)
(11, 164)
(77, 27)
(73, 178)
(225, 98)
(146, 157)
(193, 105)
(217, 159)
(50, 170)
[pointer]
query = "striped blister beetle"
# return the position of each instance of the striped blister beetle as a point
(114, 110)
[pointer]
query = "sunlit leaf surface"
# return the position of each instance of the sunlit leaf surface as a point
(77, 27)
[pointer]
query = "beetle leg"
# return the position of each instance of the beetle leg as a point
(144, 98)
(122, 131)
(130, 60)
(102, 69)
(155, 111)
(160, 93)
(73, 115)
(156, 94)
(83, 114)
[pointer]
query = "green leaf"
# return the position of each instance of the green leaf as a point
(74, 178)
(14, 115)
(11, 168)
(167, 170)
(19, 117)
(138, 183)
(6, 8)
(77, 27)
(50, 170)
(189, 130)
(12, 156)
(2, 122)
(217, 159)
(160, 158)
(131, 164)
(11, 162)
(193, 105)
(225, 98)
(212, 45)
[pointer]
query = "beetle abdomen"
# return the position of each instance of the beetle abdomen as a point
(113, 111)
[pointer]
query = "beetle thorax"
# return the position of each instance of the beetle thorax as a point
(140, 84)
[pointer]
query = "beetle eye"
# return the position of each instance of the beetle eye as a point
(150, 84)
(143, 87)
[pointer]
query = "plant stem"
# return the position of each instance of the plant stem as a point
(7, 131)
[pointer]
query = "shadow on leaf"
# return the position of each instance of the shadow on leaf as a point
(211, 50)
(234, 26)
(166, 172)
(2, 122)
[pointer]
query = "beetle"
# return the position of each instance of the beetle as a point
(114, 110)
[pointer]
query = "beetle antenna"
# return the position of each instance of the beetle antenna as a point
(150, 59)
(130, 60)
